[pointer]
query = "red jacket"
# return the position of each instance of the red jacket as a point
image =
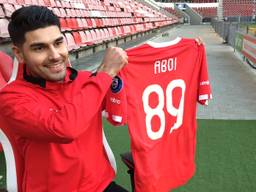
(58, 131)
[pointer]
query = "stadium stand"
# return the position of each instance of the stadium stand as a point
(238, 8)
(188, 1)
(173, 11)
(206, 12)
(87, 23)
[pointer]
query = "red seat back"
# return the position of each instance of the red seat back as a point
(13, 158)
(6, 65)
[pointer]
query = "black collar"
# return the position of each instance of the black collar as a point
(42, 82)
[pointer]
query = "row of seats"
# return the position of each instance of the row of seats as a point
(7, 9)
(173, 12)
(78, 23)
(83, 9)
(78, 15)
(206, 11)
(204, 1)
(194, 1)
(87, 22)
(239, 8)
(79, 39)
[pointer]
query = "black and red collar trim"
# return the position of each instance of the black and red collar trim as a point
(42, 82)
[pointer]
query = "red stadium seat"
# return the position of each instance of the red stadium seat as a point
(89, 23)
(65, 4)
(84, 23)
(108, 35)
(98, 22)
(63, 24)
(56, 11)
(43, 3)
(83, 38)
(5, 73)
(13, 159)
(80, 23)
(72, 23)
(94, 25)
(74, 13)
(22, 2)
(78, 39)
(89, 38)
(6, 66)
(9, 9)
(53, 3)
(4, 28)
(2, 84)
(2, 14)
(26, 2)
(8, 72)
(58, 4)
(84, 13)
(78, 13)
(35, 2)
(48, 3)
(71, 42)
(113, 32)
(3, 1)
(63, 13)
(94, 36)
(69, 13)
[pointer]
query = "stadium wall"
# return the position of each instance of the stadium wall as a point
(236, 35)
(248, 48)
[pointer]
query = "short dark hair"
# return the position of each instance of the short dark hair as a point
(28, 19)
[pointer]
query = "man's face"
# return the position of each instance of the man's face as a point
(45, 53)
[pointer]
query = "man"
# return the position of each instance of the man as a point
(54, 111)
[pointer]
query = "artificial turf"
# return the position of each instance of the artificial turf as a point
(225, 157)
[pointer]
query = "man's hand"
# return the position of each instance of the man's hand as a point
(199, 41)
(114, 60)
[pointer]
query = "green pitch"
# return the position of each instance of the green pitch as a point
(226, 156)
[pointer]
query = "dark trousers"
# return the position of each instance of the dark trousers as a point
(113, 187)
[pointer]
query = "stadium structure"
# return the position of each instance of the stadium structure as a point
(91, 26)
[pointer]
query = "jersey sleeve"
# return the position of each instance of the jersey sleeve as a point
(116, 103)
(204, 91)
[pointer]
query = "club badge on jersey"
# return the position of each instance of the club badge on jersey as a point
(117, 84)
(116, 105)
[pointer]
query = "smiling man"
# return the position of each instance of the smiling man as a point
(45, 56)
(53, 112)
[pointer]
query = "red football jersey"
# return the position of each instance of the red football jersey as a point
(156, 93)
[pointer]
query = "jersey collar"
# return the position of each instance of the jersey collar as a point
(164, 44)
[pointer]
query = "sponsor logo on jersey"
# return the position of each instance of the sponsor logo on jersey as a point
(115, 100)
(117, 84)
(205, 83)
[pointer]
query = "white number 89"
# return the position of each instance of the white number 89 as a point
(158, 110)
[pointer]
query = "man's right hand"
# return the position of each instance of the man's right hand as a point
(114, 60)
